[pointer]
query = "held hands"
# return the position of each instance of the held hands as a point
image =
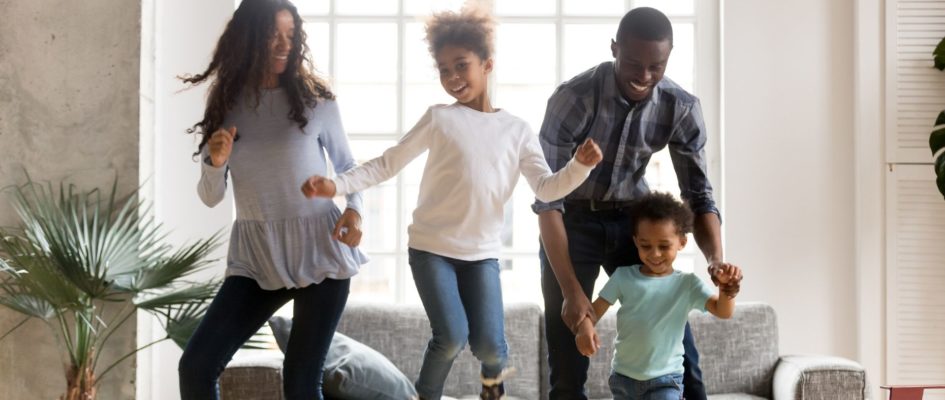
(588, 153)
(575, 309)
(221, 144)
(348, 228)
(728, 277)
(318, 186)
(586, 339)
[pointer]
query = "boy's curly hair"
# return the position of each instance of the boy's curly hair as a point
(658, 206)
(472, 28)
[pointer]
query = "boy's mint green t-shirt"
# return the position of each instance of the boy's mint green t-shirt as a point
(651, 319)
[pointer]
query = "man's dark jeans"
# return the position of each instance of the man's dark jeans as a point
(239, 310)
(595, 239)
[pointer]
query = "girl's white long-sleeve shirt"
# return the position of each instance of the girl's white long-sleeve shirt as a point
(474, 163)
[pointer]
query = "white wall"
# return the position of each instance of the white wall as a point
(180, 40)
(788, 126)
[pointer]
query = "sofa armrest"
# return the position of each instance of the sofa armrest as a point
(254, 374)
(800, 377)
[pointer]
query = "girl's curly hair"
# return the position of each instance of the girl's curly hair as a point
(472, 28)
(657, 207)
(240, 61)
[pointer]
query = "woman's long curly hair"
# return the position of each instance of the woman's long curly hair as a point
(241, 61)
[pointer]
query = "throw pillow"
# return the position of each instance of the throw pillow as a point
(353, 370)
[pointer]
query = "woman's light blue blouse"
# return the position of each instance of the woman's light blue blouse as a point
(280, 238)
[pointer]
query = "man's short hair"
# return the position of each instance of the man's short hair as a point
(647, 24)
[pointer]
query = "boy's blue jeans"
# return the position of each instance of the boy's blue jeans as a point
(239, 309)
(463, 301)
(595, 239)
(666, 387)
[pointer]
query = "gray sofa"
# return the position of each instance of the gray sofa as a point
(739, 357)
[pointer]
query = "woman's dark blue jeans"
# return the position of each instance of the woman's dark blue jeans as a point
(595, 239)
(239, 310)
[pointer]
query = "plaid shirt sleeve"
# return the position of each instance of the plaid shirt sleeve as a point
(687, 150)
(565, 120)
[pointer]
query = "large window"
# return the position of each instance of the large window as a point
(374, 54)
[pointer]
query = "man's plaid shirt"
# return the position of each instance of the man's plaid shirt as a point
(590, 105)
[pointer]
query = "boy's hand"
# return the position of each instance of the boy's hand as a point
(729, 278)
(318, 186)
(586, 338)
(588, 153)
(727, 273)
(716, 269)
(587, 342)
(221, 144)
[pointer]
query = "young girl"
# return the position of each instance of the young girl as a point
(655, 301)
(268, 122)
(476, 154)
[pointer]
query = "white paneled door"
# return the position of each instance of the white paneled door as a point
(915, 210)
(915, 279)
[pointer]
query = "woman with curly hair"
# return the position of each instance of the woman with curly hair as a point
(268, 124)
(477, 153)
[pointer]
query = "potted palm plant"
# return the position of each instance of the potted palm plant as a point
(84, 262)
(937, 138)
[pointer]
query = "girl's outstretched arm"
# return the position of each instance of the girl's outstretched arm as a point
(394, 159)
(550, 186)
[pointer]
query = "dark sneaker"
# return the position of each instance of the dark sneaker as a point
(493, 392)
(493, 388)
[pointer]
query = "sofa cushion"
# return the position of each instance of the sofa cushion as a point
(353, 370)
(734, 396)
(401, 333)
(738, 355)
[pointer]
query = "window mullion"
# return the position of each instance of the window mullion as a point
(332, 42)
(559, 38)
(400, 272)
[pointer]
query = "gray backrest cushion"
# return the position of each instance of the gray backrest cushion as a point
(401, 333)
(737, 355)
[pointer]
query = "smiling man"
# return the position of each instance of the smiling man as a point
(632, 111)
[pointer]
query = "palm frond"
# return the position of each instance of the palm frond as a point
(182, 320)
(261, 340)
(29, 305)
(194, 293)
(74, 249)
(95, 241)
(65, 231)
(28, 270)
(179, 265)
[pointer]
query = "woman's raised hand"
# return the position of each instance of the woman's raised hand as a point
(221, 144)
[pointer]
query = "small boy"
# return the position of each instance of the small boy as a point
(655, 301)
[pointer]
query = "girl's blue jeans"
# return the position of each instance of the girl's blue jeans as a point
(239, 309)
(666, 387)
(463, 301)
